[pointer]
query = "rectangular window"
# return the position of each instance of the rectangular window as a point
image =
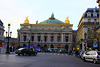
(94, 15)
(39, 38)
(66, 38)
(24, 38)
(58, 38)
(32, 38)
(45, 38)
(52, 38)
(89, 20)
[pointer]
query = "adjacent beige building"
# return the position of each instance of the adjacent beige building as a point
(86, 28)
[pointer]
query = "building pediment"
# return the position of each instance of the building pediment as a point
(25, 28)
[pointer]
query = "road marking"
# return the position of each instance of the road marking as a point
(53, 54)
(62, 54)
(50, 53)
(66, 55)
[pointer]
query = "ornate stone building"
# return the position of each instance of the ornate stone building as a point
(1, 33)
(86, 28)
(51, 33)
(12, 42)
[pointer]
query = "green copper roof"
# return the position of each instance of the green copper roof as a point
(52, 20)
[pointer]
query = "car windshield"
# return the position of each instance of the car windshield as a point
(98, 53)
(21, 48)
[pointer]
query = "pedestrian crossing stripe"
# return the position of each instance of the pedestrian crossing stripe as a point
(54, 54)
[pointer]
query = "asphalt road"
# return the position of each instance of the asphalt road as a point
(43, 60)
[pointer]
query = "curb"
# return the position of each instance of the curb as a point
(10, 53)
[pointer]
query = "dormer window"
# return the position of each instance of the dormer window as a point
(88, 14)
(95, 14)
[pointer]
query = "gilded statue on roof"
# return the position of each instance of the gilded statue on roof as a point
(26, 20)
(67, 21)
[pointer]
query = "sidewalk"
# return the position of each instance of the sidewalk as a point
(5, 53)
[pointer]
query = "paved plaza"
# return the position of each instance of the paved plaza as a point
(43, 60)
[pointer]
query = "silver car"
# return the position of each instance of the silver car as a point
(92, 56)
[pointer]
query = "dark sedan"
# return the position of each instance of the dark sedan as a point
(25, 51)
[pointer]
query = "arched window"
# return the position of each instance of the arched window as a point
(45, 45)
(66, 47)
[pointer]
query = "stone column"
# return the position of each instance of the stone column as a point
(42, 37)
(83, 47)
(68, 37)
(62, 37)
(55, 37)
(35, 37)
(21, 37)
(69, 47)
(27, 37)
(48, 38)
(71, 37)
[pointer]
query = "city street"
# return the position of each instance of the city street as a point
(43, 60)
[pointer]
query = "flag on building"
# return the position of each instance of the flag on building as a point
(95, 22)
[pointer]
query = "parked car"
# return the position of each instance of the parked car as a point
(81, 54)
(25, 51)
(93, 56)
(63, 51)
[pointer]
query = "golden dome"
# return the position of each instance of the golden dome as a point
(67, 21)
(26, 20)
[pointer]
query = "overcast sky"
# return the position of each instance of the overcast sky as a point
(15, 11)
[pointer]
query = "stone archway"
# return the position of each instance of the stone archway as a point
(45, 46)
(52, 46)
(66, 47)
(38, 45)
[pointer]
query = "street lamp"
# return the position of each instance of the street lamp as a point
(29, 45)
(9, 33)
(29, 39)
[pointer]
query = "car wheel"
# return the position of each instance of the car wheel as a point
(29, 54)
(94, 61)
(35, 54)
(24, 54)
(84, 59)
(18, 54)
